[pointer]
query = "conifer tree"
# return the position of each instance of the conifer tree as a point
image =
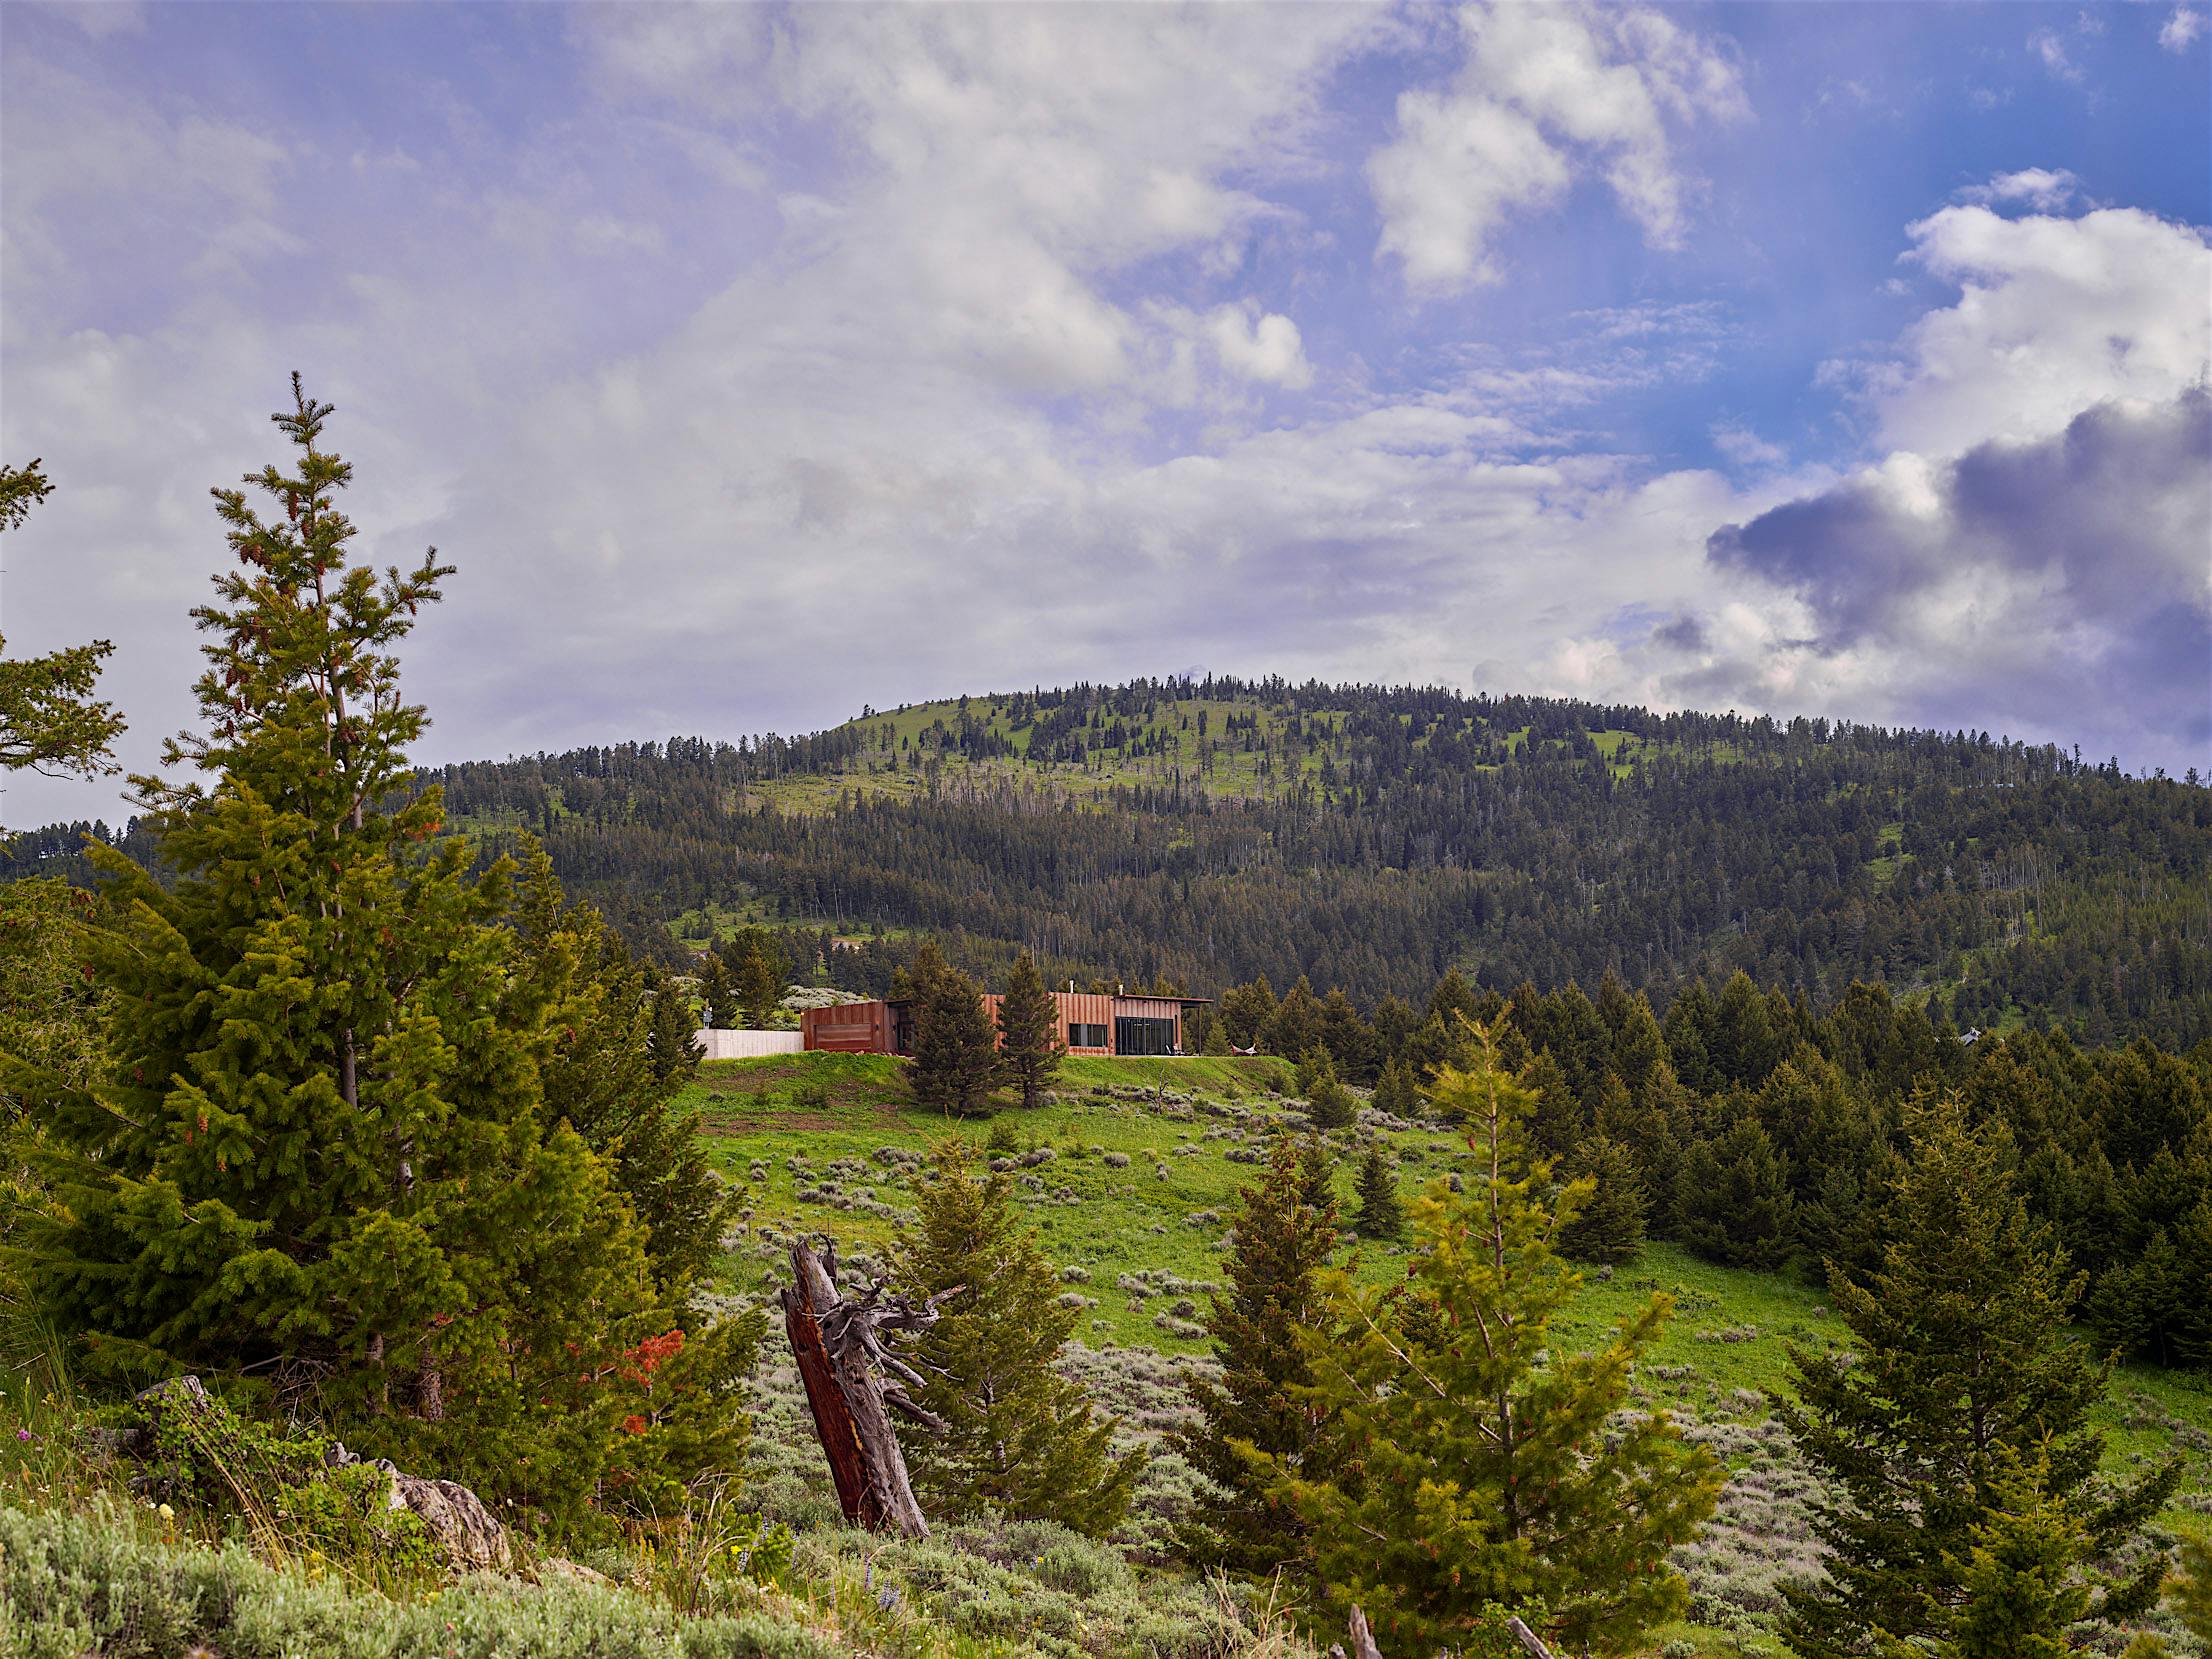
(1381, 1215)
(49, 720)
(603, 1079)
(759, 987)
(1295, 1027)
(1732, 1198)
(1029, 1042)
(1610, 1226)
(320, 1163)
(1284, 1233)
(1328, 1102)
(1247, 1011)
(1457, 1471)
(1019, 1437)
(1963, 1375)
(2018, 1590)
(2192, 1588)
(956, 1063)
(719, 986)
(1397, 1092)
(672, 1039)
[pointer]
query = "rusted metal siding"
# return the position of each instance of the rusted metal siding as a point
(1083, 1008)
(870, 1027)
(848, 1028)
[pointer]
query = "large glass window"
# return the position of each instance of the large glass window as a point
(1142, 1036)
(1086, 1036)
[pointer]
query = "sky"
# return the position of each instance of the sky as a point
(753, 364)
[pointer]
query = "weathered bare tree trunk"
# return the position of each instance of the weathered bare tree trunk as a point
(852, 1388)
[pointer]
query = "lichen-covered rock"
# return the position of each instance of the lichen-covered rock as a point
(466, 1534)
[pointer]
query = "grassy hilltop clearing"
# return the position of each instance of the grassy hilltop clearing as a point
(1127, 1176)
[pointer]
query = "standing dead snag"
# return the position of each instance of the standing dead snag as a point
(852, 1386)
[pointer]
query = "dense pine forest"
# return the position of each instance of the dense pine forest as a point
(1373, 838)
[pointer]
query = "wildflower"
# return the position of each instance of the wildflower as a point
(166, 1513)
(23, 1435)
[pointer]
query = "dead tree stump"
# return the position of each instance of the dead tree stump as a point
(852, 1387)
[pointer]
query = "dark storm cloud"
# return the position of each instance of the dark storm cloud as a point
(2076, 567)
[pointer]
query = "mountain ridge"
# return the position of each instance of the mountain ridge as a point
(1375, 837)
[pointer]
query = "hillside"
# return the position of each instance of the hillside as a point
(1372, 838)
(1130, 1174)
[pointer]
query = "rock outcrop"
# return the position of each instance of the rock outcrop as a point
(466, 1534)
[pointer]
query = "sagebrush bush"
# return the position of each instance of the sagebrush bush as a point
(72, 1584)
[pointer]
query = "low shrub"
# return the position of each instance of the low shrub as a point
(75, 1584)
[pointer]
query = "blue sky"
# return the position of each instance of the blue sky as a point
(756, 363)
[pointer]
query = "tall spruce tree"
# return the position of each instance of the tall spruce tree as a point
(604, 1080)
(673, 1036)
(1381, 1215)
(1469, 1456)
(956, 1063)
(1328, 1102)
(1732, 1198)
(320, 1163)
(1397, 1091)
(1029, 1042)
(759, 987)
(1020, 1438)
(1609, 1228)
(1284, 1233)
(725, 1007)
(1962, 1375)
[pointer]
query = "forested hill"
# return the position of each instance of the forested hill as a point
(1371, 838)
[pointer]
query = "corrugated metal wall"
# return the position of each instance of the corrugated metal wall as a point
(848, 1028)
(866, 1027)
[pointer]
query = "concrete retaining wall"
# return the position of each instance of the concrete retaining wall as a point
(748, 1045)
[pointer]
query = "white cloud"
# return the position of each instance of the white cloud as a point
(2030, 555)
(2054, 582)
(2181, 29)
(2053, 315)
(2043, 189)
(1545, 94)
(2050, 51)
(1458, 166)
(1745, 447)
(1260, 347)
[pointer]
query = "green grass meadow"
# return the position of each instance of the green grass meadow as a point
(1133, 1204)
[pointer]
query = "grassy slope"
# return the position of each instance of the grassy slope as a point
(1726, 1344)
(883, 769)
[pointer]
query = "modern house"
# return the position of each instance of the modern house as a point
(1090, 1023)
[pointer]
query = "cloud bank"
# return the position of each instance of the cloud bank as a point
(754, 364)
